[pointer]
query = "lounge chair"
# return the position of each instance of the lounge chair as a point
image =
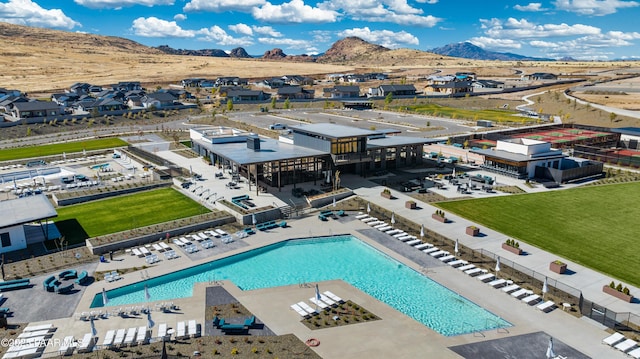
(510, 288)
(466, 267)
(86, 344)
(162, 332)
(303, 313)
(120, 333)
(485, 277)
(413, 242)
(307, 308)
(497, 283)
(447, 258)
(164, 246)
(250, 322)
(546, 306)
(439, 253)
(626, 345)
(380, 225)
(35, 328)
(404, 238)
(192, 327)
(181, 330)
(141, 337)
(137, 252)
(521, 293)
(393, 231)
(362, 216)
(328, 300)
(157, 247)
(475, 271)
(613, 339)
(333, 297)
(178, 242)
(431, 250)
(144, 251)
(424, 246)
(82, 277)
(319, 303)
(458, 263)
(130, 337)
(221, 232)
(68, 274)
(400, 234)
(67, 346)
(369, 219)
(635, 353)
(108, 338)
(531, 299)
(384, 228)
(38, 333)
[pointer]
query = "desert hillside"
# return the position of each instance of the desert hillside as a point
(41, 60)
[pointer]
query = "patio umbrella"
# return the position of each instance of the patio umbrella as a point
(105, 299)
(368, 208)
(545, 287)
(150, 322)
(421, 230)
(328, 177)
(550, 353)
(64, 156)
(497, 266)
(147, 296)
(334, 201)
(393, 219)
(254, 220)
(456, 249)
(94, 332)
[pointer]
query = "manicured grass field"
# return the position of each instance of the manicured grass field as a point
(96, 218)
(595, 226)
(497, 115)
(59, 148)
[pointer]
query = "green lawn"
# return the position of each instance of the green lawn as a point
(596, 226)
(96, 218)
(497, 115)
(58, 148)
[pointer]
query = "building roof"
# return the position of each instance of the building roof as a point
(633, 131)
(36, 105)
(25, 210)
(393, 88)
(331, 130)
(516, 157)
(270, 150)
(390, 141)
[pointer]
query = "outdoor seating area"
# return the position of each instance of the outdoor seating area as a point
(51, 284)
(226, 327)
(326, 214)
(83, 277)
(243, 202)
(112, 276)
(270, 225)
(324, 301)
(620, 342)
(15, 284)
(32, 342)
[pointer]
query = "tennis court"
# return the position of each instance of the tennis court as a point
(566, 136)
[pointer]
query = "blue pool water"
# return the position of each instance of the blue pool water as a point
(320, 259)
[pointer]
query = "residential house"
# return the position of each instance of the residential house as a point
(7, 101)
(537, 76)
(396, 90)
(295, 93)
(487, 84)
(243, 95)
(223, 90)
(271, 83)
(297, 80)
(192, 82)
(102, 105)
(450, 88)
(440, 80)
(465, 76)
(127, 86)
(158, 100)
(65, 99)
(341, 92)
(31, 109)
(134, 101)
(229, 81)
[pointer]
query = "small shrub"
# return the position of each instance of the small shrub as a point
(619, 287)
(235, 351)
(254, 350)
(612, 285)
(625, 290)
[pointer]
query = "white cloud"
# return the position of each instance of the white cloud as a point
(523, 29)
(154, 27)
(180, 17)
(222, 5)
(385, 38)
(118, 4)
(430, 2)
(266, 30)
(590, 47)
(220, 37)
(295, 11)
(289, 43)
(394, 11)
(532, 7)
(490, 43)
(242, 29)
(594, 7)
(27, 12)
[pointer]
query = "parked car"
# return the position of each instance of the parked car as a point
(278, 126)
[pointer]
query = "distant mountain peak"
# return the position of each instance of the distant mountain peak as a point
(351, 48)
(468, 50)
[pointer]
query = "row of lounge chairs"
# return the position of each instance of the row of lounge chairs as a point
(270, 225)
(620, 342)
(326, 301)
(125, 337)
(33, 342)
(112, 276)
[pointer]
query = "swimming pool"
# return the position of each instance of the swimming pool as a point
(319, 259)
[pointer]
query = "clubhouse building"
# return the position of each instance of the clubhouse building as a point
(311, 153)
(22, 224)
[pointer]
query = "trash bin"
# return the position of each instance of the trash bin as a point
(110, 255)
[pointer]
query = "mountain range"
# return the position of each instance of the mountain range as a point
(468, 50)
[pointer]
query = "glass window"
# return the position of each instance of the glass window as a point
(4, 238)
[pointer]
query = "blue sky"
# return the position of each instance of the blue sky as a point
(582, 29)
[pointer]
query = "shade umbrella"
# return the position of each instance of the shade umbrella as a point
(105, 299)
(550, 353)
(334, 201)
(421, 230)
(393, 219)
(497, 266)
(147, 296)
(254, 220)
(545, 287)
(94, 331)
(150, 322)
(328, 177)
(368, 208)
(456, 249)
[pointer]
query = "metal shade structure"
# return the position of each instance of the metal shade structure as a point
(368, 208)
(393, 219)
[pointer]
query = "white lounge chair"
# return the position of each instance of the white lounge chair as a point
(157, 247)
(178, 242)
(531, 299)
(333, 297)
(497, 283)
(203, 236)
(196, 238)
(635, 353)
(626, 345)
(307, 308)
(181, 330)
(404, 238)
(361, 216)
(137, 252)
(131, 336)
(546, 306)
(141, 337)
(86, 344)
(400, 234)
(67, 346)
(458, 263)
(319, 303)
(303, 313)
(413, 242)
(466, 267)
(613, 339)
(162, 331)
(35, 328)
(393, 231)
(475, 271)
(424, 246)
(521, 293)
(447, 258)
(439, 253)
(165, 246)
(120, 333)
(485, 277)
(431, 250)
(144, 251)
(39, 333)
(107, 341)
(192, 327)
(510, 288)
(369, 219)
(328, 300)
(221, 232)
(384, 228)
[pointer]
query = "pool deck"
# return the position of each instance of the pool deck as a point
(396, 334)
